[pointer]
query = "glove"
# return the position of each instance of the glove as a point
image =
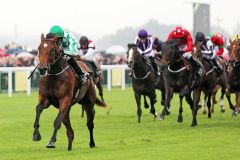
(180, 52)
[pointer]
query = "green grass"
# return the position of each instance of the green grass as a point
(118, 136)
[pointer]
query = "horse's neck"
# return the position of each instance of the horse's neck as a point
(140, 67)
(58, 66)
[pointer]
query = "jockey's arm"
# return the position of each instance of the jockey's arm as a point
(149, 48)
(189, 44)
(209, 46)
(89, 55)
(220, 50)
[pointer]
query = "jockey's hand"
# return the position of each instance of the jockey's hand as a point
(180, 52)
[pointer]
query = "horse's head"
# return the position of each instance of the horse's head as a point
(48, 52)
(197, 50)
(132, 54)
(234, 50)
(169, 52)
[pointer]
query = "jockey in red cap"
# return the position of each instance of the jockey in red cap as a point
(218, 41)
(185, 46)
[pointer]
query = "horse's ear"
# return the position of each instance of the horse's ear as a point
(42, 36)
(230, 41)
(128, 45)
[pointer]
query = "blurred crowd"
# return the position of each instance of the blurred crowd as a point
(15, 55)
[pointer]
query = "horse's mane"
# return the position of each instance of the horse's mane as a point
(171, 42)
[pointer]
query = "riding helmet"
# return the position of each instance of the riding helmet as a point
(199, 37)
(142, 33)
(83, 40)
(57, 30)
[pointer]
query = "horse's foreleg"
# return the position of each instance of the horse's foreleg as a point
(153, 101)
(90, 117)
(209, 104)
(139, 110)
(63, 109)
(180, 118)
(196, 99)
(36, 133)
(70, 133)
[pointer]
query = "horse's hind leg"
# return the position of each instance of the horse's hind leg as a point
(222, 100)
(180, 118)
(100, 89)
(70, 133)
(204, 110)
(36, 133)
(167, 101)
(82, 112)
(90, 117)
(145, 102)
(139, 110)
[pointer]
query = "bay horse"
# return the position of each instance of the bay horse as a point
(211, 81)
(59, 86)
(144, 79)
(233, 74)
(178, 77)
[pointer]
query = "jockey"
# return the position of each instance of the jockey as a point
(87, 51)
(207, 51)
(218, 41)
(144, 44)
(69, 45)
(157, 45)
(185, 46)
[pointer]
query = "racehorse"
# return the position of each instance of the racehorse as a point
(233, 73)
(178, 78)
(59, 86)
(144, 80)
(211, 81)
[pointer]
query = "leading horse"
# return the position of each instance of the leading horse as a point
(59, 86)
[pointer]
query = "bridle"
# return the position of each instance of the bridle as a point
(53, 52)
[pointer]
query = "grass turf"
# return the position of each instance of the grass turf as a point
(117, 134)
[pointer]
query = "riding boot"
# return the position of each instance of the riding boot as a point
(216, 67)
(196, 68)
(82, 75)
(95, 69)
(155, 67)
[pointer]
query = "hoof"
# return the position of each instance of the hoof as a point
(51, 145)
(168, 112)
(146, 106)
(92, 144)
(161, 118)
(193, 125)
(180, 120)
(222, 110)
(212, 111)
(204, 112)
(36, 137)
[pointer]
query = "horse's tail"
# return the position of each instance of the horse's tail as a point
(100, 103)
